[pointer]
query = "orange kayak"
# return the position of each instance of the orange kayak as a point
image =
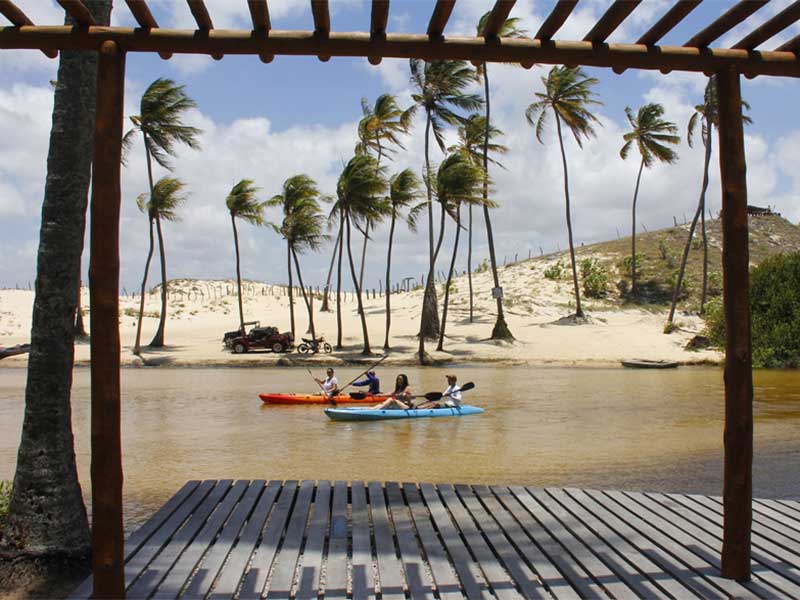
(319, 399)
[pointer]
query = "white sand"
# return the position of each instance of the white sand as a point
(201, 311)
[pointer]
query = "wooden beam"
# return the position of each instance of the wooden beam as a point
(610, 20)
(561, 11)
(379, 17)
(665, 24)
(785, 18)
(141, 12)
(106, 469)
(793, 45)
(78, 11)
(200, 14)
(306, 43)
(441, 13)
(19, 19)
(730, 19)
(259, 13)
(322, 18)
(497, 17)
(738, 440)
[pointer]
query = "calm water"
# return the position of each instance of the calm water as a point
(612, 428)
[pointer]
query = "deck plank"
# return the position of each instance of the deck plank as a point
(362, 578)
(264, 554)
(336, 566)
(390, 571)
(155, 572)
(420, 586)
(282, 577)
(528, 584)
(201, 583)
(311, 567)
(443, 572)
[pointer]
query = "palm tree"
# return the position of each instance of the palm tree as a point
(404, 190)
(302, 227)
(708, 113)
(458, 181)
(380, 128)
(438, 85)
(509, 29)
(242, 204)
(161, 204)
(471, 134)
(46, 513)
(568, 93)
(649, 132)
(161, 109)
(360, 197)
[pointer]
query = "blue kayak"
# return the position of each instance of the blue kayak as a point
(372, 414)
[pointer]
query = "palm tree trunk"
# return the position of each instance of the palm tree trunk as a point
(429, 326)
(634, 288)
(79, 329)
(325, 307)
(446, 301)
(238, 275)
(705, 257)
(363, 256)
(137, 346)
(432, 286)
(469, 264)
(290, 290)
(305, 296)
(358, 289)
(700, 206)
(500, 331)
(158, 339)
(388, 279)
(46, 514)
(578, 310)
(339, 284)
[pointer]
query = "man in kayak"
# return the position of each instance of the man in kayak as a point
(330, 385)
(451, 397)
(372, 381)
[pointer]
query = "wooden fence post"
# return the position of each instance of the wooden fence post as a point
(106, 466)
(738, 439)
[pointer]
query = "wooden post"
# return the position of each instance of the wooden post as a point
(106, 469)
(738, 488)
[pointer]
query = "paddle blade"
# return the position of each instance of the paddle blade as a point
(358, 395)
(467, 386)
(431, 396)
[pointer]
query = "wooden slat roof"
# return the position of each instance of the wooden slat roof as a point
(545, 47)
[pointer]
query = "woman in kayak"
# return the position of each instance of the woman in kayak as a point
(330, 385)
(400, 398)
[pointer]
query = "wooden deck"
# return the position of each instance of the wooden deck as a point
(308, 540)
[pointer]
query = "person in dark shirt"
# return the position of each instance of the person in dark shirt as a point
(372, 381)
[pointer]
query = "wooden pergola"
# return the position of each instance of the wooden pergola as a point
(697, 54)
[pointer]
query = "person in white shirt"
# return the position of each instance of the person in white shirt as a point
(452, 395)
(330, 384)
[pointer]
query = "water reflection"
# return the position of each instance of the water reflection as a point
(613, 428)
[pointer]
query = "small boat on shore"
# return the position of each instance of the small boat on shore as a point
(640, 363)
(352, 398)
(372, 414)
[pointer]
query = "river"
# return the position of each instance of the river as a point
(581, 427)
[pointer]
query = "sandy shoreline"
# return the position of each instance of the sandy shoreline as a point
(200, 311)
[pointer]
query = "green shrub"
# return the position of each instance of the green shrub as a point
(685, 290)
(625, 265)
(483, 267)
(594, 277)
(715, 283)
(775, 313)
(555, 271)
(667, 255)
(5, 497)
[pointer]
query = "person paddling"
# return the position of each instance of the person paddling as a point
(372, 381)
(330, 385)
(400, 398)
(451, 397)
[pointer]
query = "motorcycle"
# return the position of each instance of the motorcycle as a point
(314, 346)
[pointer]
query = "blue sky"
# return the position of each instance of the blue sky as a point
(268, 122)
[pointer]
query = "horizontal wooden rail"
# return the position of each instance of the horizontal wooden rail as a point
(508, 50)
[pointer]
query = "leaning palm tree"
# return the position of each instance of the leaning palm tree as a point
(650, 133)
(404, 191)
(509, 29)
(458, 181)
(568, 93)
(243, 204)
(439, 87)
(302, 228)
(162, 203)
(471, 135)
(161, 109)
(708, 113)
(360, 197)
(379, 130)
